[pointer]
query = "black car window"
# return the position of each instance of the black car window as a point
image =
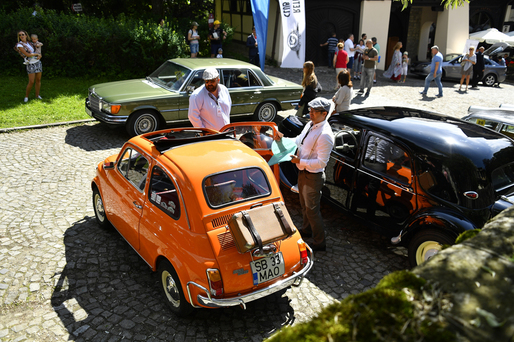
(134, 167)
(388, 158)
(235, 78)
(508, 131)
(197, 80)
(436, 179)
(484, 122)
(503, 177)
(163, 193)
(235, 186)
(346, 140)
(254, 81)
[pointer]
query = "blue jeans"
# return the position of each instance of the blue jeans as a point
(331, 58)
(437, 79)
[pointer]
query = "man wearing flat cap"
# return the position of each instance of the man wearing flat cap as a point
(209, 105)
(314, 146)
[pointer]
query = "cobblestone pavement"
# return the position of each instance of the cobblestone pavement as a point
(62, 278)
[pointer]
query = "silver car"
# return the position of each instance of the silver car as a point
(493, 74)
(498, 119)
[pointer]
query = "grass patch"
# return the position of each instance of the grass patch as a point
(63, 100)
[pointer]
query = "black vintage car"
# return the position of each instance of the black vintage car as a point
(419, 177)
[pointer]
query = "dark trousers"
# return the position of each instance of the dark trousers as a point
(309, 187)
(255, 60)
(477, 77)
(331, 54)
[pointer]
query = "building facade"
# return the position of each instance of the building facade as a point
(421, 25)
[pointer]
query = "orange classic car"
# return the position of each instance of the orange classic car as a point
(172, 195)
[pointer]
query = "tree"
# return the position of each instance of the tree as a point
(446, 3)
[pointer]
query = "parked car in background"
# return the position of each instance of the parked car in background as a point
(493, 74)
(498, 119)
(172, 195)
(146, 105)
(500, 49)
(418, 177)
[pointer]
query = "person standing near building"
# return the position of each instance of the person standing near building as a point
(332, 47)
(216, 35)
(436, 72)
(478, 68)
(350, 50)
(340, 60)
(469, 61)
(314, 146)
(209, 105)
(370, 57)
(253, 51)
(377, 47)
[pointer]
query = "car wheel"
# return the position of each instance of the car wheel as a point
(426, 244)
(172, 290)
(489, 80)
(98, 206)
(142, 122)
(266, 111)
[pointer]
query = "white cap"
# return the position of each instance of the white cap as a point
(210, 74)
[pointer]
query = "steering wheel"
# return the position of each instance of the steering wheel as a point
(341, 134)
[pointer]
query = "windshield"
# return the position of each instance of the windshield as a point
(170, 75)
(235, 186)
(503, 178)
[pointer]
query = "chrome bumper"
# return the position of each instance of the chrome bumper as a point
(294, 280)
(104, 117)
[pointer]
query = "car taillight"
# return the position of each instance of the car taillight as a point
(215, 282)
(304, 257)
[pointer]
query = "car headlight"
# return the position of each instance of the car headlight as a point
(110, 108)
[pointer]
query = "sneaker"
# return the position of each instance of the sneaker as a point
(423, 93)
(39, 97)
(367, 93)
(26, 99)
(360, 91)
(294, 189)
(374, 81)
(439, 95)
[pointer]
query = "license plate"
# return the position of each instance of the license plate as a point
(89, 112)
(267, 268)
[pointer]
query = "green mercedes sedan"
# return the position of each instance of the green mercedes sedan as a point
(146, 105)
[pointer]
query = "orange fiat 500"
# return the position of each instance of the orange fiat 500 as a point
(171, 195)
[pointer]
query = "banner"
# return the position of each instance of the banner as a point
(293, 33)
(260, 11)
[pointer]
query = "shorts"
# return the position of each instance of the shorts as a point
(215, 47)
(34, 68)
(349, 65)
(468, 72)
(194, 47)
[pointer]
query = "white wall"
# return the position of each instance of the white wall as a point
(452, 29)
(374, 21)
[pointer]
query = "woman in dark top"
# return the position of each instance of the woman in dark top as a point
(310, 84)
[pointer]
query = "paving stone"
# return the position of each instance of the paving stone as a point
(71, 280)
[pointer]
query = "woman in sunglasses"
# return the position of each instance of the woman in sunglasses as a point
(34, 67)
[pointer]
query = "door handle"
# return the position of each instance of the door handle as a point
(137, 205)
(257, 92)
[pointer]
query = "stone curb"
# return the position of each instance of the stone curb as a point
(11, 129)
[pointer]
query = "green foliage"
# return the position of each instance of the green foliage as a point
(79, 45)
(385, 313)
(468, 234)
(184, 25)
(447, 3)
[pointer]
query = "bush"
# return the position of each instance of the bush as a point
(76, 45)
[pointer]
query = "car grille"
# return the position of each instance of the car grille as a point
(94, 101)
(226, 240)
(221, 221)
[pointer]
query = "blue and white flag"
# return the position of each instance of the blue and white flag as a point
(260, 11)
(293, 33)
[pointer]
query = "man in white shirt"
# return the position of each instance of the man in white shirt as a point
(314, 146)
(209, 105)
(350, 50)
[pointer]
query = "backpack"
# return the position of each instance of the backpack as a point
(186, 37)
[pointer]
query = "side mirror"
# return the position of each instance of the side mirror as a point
(190, 89)
(108, 166)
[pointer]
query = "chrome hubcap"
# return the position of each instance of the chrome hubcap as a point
(145, 124)
(427, 250)
(171, 289)
(99, 207)
(267, 112)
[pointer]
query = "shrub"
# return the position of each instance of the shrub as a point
(76, 45)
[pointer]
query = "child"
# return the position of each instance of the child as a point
(37, 49)
(405, 65)
(220, 53)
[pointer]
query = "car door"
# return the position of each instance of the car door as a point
(384, 190)
(453, 68)
(128, 187)
(340, 169)
(245, 90)
(194, 82)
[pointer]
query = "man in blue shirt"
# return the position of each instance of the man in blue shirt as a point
(332, 47)
(436, 72)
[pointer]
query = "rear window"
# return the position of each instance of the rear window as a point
(226, 188)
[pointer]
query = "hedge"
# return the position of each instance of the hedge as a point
(76, 45)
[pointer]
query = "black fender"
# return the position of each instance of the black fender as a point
(450, 221)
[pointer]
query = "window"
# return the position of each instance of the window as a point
(346, 141)
(508, 131)
(235, 186)
(197, 80)
(163, 193)
(170, 75)
(235, 78)
(134, 166)
(388, 158)
(486, 123)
